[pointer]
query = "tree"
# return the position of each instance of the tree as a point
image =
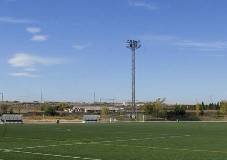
(217, 106)
(4, 108)
(11, 110)
(62, 106)
(159, 107)
(105, 112)
(44, 106)
(203, 106)
(197, 108)
(223, 107)
(155, 108)
(148, 108)
(179, 111)
(51, 111)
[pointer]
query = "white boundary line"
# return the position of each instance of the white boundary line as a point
(33, 139)
(52, 140)
(169, 122)
(110, 143)
(106, 142)
(48, 154)
(167, 148)
(101, 142)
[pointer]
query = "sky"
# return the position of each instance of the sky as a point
(69, 49)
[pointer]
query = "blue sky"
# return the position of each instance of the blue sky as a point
(71, 48)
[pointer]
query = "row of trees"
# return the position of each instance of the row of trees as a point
(221, 107)
(158, 108)
(210, 106)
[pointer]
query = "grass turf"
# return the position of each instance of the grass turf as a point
(120, 141)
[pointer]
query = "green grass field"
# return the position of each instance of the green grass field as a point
(120, 141)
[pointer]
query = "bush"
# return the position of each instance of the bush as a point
(148, 108)
(179, 111)
(155, 108)
(50, 111)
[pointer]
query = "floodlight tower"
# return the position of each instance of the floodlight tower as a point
(133, 45)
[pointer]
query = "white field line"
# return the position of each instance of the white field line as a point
(46, 140)
(166, 148)
(100, 142)
(48, 154)
(52, 140)
(173, 122)
(34, 139)
(109, 143)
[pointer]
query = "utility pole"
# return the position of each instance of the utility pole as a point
(41, 96)
(133, 45)
(2, 95)
(94, 97)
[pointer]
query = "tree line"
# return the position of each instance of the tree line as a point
(160, 109)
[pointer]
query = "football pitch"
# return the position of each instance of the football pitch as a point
(119, 141)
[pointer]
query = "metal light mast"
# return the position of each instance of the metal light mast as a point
(133, 45)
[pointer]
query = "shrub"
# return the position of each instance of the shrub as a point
(51, 111)
(179, 111)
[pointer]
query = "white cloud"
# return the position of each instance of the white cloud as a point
(158, 38)
(27, 60)
(212, 45)
(143, 4)
(33, 30)
(15, 20)
(10, 0)
(31, 69)
(80, 46)
(24, 74)
(39, 38)
(215, 55)
(184, 43)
